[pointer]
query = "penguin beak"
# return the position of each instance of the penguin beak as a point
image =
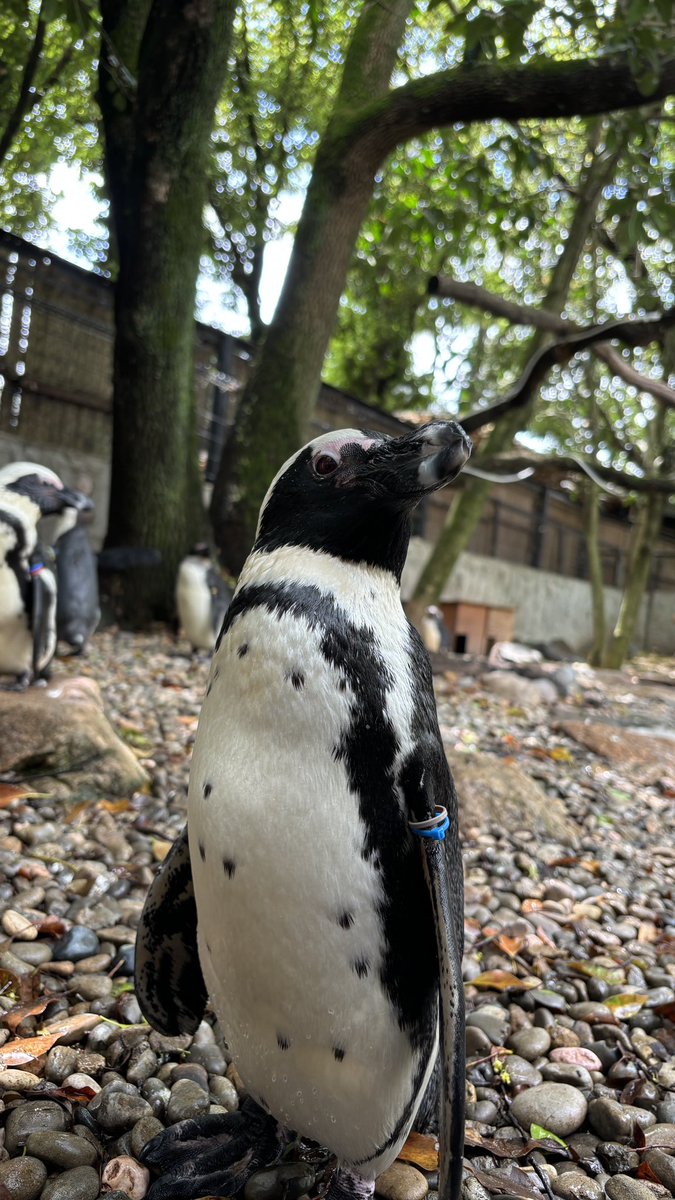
(72, 499)
(422, 461)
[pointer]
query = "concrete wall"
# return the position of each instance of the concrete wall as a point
(546, 606)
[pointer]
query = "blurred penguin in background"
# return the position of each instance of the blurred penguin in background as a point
(77, 600)
(434, 630)
(202, 598)
(29, 491)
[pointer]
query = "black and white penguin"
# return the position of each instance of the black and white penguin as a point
(28, 491)
(78, 611)
(318, 897)
(202, 598)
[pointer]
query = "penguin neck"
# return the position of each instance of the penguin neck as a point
(24, 513)
(354, 585)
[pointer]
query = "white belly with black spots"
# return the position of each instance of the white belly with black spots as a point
(290, 931)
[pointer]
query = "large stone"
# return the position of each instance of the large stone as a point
(60, 736)
(491, 790)
(620, 745)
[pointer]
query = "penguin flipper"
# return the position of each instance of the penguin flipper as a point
(170, 986)
(426, 783)
(43, 616)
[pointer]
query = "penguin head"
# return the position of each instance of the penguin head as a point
(43, 487)
(351, 493)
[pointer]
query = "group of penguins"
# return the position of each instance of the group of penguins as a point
(49, 590)
(315, 897)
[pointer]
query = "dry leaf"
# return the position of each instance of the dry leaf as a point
(510, 945)
(24, 1050)
(115, 806)
(78, 1095)
(609, 974)
(625, 1004)
(507, 1181)
(52, 926)
(530, 905)
(501, 981)
(421, 1150)
(69, 1026)
(645, 1172)
(9, 792)
(14, 1016)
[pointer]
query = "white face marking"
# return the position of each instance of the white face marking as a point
(19, 470)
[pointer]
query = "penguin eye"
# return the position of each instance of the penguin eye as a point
(325, 464)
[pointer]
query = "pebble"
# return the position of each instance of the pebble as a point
(118, 1111)
(31, 1117)
(574, 1185)
(622, 1187)
(401, 1182)
(609, 1119)
(556, 1106)
(128, 1176)
(16, 925)
(78, 943)
(12, 1079)
(61, 1149)
(23, 1178)
(663, 1166)
(80, 1183)
(286, 1181)
(188, 1099)
(530, 1043)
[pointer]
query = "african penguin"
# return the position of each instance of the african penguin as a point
(317, 878)
(202, 598)
(28, 491)
(77, 600)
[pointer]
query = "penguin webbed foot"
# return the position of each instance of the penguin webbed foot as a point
(347, 1185)
(213, 1155)
(20, 683)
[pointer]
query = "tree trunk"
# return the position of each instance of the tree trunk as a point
(277, 404)
(157, 139)
(645, 532)
(592, 507)
(467, 507)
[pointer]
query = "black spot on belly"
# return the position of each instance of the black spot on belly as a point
(282, 1042)
(338, 1053)
(361, 967)
(342, 685)
(346, 920)
(243, 649)
(202, 851)
(207, 788)
(208, 687)
(229, 867)
(298, 681)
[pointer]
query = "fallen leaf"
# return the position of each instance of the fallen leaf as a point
(68, 1026)
(52, 926)
(14, 1016)
(421, 1150)
(647, 932)
(625, 1004)
(510, 945)
(507, 1181)
(160, 849)
(23, 1050)
(666, 1010)
(539, 1134)
(609, 974)
(34, 870)
(78, 1095)
(644, 1171)
(77, 811)
(530, 905)
(9, 792)
(501, 981)
(115, 806)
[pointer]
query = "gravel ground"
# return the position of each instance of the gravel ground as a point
(569, 964)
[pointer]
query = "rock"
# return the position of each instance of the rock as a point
(562, 1072)
(60, 1149)
(610, 1120)
(286, 1181)
(118, 1111)
(128, 1176)
(78, 943)
(617, 1159)
(143, 1131)
(662, 1136)
(224, 1092)
(16, 925)
(31, 1117)
(516, 688)
(81, 1183)
(622, 1187)
(578, 1055)
(61, 1062)
(188, 1099)
(23, 1178)
(556, 1106)
(574, 1185)
(18, 1081)
(530, 1043)
(622, 746)
(62, 730)
(401, 1182)
(492, 791)
(663, 1166)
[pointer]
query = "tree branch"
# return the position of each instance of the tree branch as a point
(539, 90)
(570, 462)
(636, 333)
(24, 100)
(629, 331)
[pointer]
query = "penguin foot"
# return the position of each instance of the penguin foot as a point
(213, 1155)
(20, 683)
(347, 1185)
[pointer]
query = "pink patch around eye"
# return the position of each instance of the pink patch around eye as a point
(337, 446)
